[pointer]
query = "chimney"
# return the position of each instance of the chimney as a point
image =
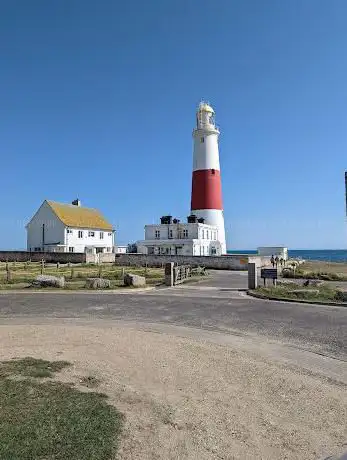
(76, 202)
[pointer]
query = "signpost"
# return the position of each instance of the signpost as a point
(269, 273)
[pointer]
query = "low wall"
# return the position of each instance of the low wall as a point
(231, 262)
(101, 258)
(23, 256)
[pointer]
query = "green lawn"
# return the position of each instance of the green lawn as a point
(51, 420)
(322, 293)
(19, 275)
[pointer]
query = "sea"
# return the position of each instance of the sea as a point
(327, 255)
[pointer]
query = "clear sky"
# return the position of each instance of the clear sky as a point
(98, 100)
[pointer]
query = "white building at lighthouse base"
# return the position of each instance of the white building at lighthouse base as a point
(171, 237)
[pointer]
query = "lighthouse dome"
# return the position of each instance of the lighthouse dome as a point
(204, 107)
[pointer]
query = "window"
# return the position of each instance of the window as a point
(157, 233)
(202, 140)
(69, 230)
(203, 234)
(71, 249)
(91, 234)
(37, 249)
(185, 233)
(101, 235)
(170, 233)
(80, 234)
(108, 249)
(207, 234)
(213, 171)
(109, 233)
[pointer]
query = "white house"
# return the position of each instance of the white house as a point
(194, 238)
(60, 227)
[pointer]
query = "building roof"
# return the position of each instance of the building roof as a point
(78, 216)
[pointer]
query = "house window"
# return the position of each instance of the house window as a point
(80, 234)
(170, 233)
(202, 140)
(37, 249)
(69, 230)
(207, 234)
(91, 234)
(101, 235)
(213, 251)
(109, 233)
(203, 234)
(185, 233)
(157, 233)
(71, 249)
(108, 249)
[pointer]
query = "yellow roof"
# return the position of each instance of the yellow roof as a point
(78, 216)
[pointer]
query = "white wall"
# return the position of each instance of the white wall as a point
(54, 228)
(279, 251)
(79, 244)
(195, 231)
(206, 154)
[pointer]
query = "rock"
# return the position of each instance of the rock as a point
(49, 281)
(97, 283)
(134, 280)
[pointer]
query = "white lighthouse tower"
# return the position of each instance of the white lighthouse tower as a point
(206, 200)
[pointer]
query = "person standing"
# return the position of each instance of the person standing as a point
(272, 260)
(276, 261)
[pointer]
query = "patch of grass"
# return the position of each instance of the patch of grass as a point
(318, 294)
(51, 420)
(312, 275)
(31, 367)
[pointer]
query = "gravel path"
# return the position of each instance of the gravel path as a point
(189, 398)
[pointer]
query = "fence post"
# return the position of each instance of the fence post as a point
(42, 266)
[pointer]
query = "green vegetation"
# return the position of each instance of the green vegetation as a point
(20, 275)
(326, 271)
(323, 293)
(31, 367)
(51, 420)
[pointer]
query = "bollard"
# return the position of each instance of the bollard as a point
(252, 276)
(169, 274)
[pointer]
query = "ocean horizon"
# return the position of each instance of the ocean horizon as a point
(327, 255)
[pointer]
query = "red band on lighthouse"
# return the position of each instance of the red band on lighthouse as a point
(206, 189)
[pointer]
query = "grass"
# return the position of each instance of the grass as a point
(51, 420)
(323, 294)
(23, 273)
(327, 271)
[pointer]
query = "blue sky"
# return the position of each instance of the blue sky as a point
(98, 100)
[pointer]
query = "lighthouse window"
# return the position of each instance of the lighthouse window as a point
(213, 171)
(202, 140)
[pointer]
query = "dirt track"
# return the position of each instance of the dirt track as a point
(192, 399)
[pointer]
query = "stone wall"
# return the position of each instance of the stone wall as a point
(23, 256)
(231, 262)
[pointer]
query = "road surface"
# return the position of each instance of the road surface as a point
(215, 304)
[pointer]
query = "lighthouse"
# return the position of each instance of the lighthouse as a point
(206, 200)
